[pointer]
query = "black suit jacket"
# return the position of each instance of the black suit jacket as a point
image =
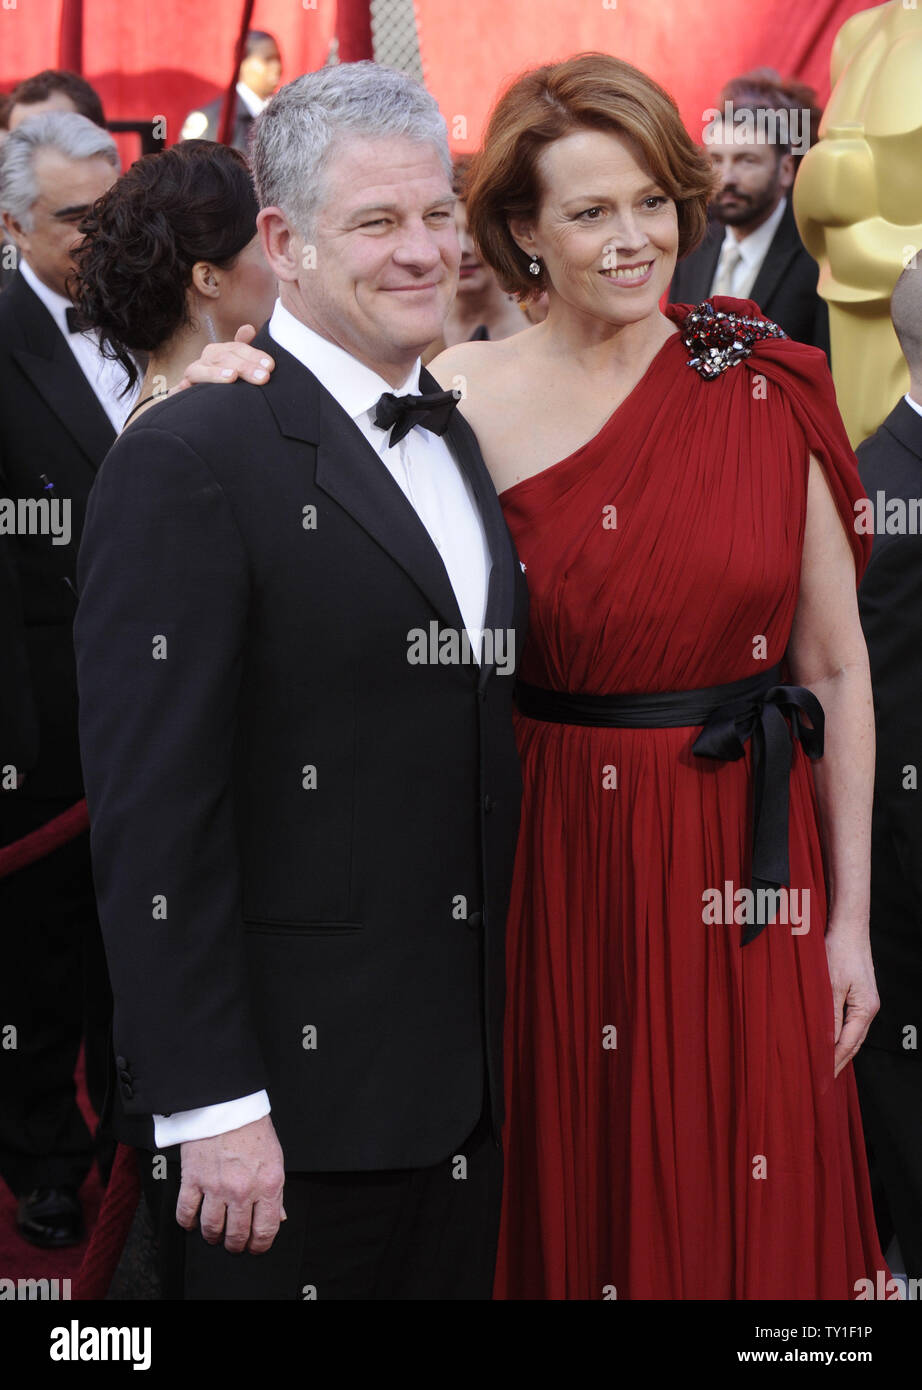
(242, 127)
(890, 600)
(328, 828)
(51, 424)
(784, 289)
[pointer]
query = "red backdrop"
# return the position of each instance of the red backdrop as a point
(470, 51)
(151, 58)
(163, 57)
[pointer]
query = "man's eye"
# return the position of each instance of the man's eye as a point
(590, 210)
(378, 222)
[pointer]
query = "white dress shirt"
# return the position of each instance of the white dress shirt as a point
(427, 474)
(915, 404)
(752, 252)
(251, 101)
(106, 377)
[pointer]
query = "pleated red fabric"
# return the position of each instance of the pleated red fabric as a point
(674, 1130)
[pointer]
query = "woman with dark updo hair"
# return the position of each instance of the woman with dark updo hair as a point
(171, 261)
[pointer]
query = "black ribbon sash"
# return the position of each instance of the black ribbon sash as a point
(756, 708)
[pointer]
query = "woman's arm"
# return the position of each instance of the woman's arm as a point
(827, 654)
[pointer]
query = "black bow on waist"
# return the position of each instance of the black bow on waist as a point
(761, 717)
(756, 708)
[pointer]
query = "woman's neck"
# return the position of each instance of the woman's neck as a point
(492, 307)
(167, 364)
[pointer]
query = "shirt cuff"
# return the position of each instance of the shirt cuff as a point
(209, 1120)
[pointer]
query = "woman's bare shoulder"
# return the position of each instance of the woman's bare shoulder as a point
(479, 363)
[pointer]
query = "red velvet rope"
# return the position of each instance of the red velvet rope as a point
(121, 1199)
(50, 836)
(110, 1232)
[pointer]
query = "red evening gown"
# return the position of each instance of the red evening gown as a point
(702, 1149)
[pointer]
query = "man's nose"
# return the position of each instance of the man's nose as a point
(418, 246)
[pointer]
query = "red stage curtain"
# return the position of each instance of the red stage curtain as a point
(691, 47)
(160, 59)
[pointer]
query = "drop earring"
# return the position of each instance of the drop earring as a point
(535, 266)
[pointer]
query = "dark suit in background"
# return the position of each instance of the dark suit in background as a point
(784, 289)
(51, 424)
(211, 129)
(369, 907)
(889, 1065)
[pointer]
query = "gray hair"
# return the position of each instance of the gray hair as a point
(297, 130)
(70, 134)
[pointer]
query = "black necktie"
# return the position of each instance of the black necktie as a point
(73, 320)
(433, 412)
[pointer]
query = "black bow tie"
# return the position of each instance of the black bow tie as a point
(73, 320)
(433, 412)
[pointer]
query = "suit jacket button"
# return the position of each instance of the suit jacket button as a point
(127, 1091)
(120, 1062)
(475, 921)
(488, 803)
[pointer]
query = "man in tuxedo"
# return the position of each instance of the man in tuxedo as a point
(889, 1067)
(303, 785)
(60, 409)
(259, 75)
(752, 249)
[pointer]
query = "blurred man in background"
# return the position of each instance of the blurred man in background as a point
(260, 73)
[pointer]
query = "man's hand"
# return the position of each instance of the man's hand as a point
(238, 1179)
(225, 362)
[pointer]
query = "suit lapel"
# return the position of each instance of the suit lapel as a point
(782, 249)
(701, 266)
(350, 472)
(51, 367)
(463, 442)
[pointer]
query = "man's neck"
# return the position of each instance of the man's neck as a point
(55, 289)
(394, 371)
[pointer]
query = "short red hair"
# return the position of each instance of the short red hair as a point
(592, 91)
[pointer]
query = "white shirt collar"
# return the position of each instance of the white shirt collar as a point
(251, 101)
(56, 304)
(355, 386)
(915, 404)
(753, 247)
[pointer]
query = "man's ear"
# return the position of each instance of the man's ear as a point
(523, 234)
(786, 172)
(14, 231)
(283, 247)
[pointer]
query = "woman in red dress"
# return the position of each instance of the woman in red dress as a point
(682, 1115)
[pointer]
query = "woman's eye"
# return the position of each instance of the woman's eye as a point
(657, 200)
(591, 210)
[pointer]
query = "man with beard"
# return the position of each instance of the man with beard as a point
(753, 249)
